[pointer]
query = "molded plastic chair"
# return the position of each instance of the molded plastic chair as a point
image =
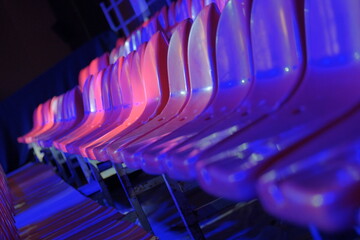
(276, 77)
(180, 90)
(37, 123)
(318, 189)
(150, 94)
(326, 93)
(202, 72)
(93, 111)
(48, 119)
(105, 109)
(120, 103)
(73, 113)
(99, 105)
(59, 116)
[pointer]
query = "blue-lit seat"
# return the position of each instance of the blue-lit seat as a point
(326, 92)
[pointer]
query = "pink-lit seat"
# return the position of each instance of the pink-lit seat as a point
(202, 72)
(150, 95)
(47, 122)
(93, 68)
(103, 112)
(94, 112)
(58, 117)
(180, 90)
(120, 103)
(37, 123)
(73, 112)
(326, 92)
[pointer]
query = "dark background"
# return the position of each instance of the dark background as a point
(43, 46)
(36, 34)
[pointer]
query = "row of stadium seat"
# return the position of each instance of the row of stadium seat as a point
(256, 101)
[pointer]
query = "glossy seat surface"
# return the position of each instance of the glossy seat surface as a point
(324, 173)
(326, 92)
(37, 123)
(202, 72)
(93, 68)
(151, 94)
(120, 103)
(179, 87)
(48, 119)
(272, 80)
(91, 89)
(104, 112)
(73, 113)
(59, 116)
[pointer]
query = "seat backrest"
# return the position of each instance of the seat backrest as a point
(177, 64)
(201, 55)
(333, 60)
(95, 96)
(94, 67)
(58, 113)
(154, 74)
(116, 87)
(86, 94)
(233, 55)
(105, 87)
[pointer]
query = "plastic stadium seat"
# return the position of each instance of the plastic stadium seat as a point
(94, 67)
(73, 112)
(202, 72)
(233, 80)
(268, 91)
(120, 101)
(326, 93)
(37, 123)
(58, 116)
(150, 95)
(99, 107)
(93, 111)
(180, 90)
(48, 119)
(103, 111)
(326, 183)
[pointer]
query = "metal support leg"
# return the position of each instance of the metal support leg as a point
(184, 208)
(131, 195)
(97, 176)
